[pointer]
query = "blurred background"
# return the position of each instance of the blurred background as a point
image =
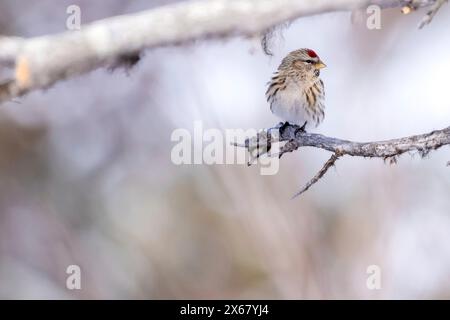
(86, 176)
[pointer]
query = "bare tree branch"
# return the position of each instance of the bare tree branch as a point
(42, 61)
(387, 150)
(423, 143)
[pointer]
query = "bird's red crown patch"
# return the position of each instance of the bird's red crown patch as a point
(311, 53)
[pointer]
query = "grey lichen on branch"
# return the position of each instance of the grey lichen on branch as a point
(386, 150)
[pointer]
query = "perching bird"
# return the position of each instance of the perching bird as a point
(296, 93)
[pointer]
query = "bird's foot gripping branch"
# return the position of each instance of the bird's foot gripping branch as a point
(388, 150)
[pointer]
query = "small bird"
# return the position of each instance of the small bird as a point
(295, 93)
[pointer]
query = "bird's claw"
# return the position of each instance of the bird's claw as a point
(284, 126)
(300, 129)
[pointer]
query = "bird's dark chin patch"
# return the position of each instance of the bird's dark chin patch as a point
(317, 72)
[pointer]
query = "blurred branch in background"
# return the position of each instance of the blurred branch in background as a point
(42, 61)
(388, 150)
(431, 13)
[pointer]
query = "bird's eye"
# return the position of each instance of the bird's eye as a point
(309, 61)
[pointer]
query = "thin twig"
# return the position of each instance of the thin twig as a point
(319, 174)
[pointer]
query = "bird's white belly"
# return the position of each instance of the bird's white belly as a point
(290, 106)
